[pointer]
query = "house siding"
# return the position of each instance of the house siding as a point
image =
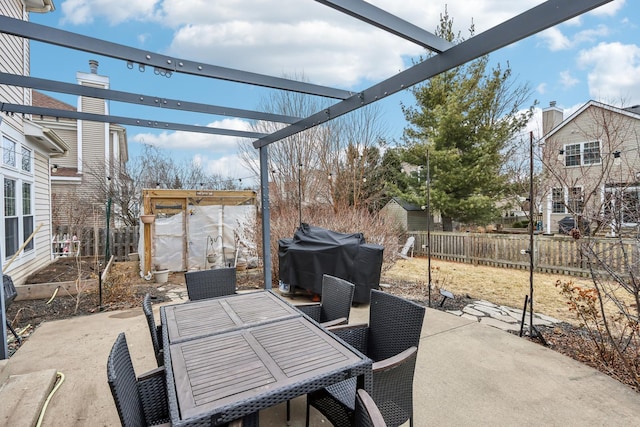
(12, 60)
(396, 213)
(416, 221)
(615, 130)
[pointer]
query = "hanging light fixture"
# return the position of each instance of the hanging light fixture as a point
(617, 161)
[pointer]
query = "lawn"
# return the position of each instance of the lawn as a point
(498, 285)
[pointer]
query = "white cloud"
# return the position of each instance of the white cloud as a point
(279, 37)
(556, 40)
(567, 80)
(80, 12)
(215, 144)
(227, 166)
(609, 9)
(614, 72)
(542, 88)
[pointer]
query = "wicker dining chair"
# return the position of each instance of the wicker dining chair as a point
(215, 282)
(155, 331)
(367, 413)
(333, 309)
(335, 305)
(140, 401)
(391, 340)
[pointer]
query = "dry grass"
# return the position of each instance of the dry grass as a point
(498, 285)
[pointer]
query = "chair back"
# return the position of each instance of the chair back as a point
(216, 282)
(123, 384)
(393, 388)
(395, 325)
(367, 413)
(153, 329)
(337, 297)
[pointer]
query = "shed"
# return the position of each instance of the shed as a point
(193, 229)
(407, 215)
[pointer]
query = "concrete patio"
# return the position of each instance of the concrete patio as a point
(467, 374)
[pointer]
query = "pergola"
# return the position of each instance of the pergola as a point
(445, 57)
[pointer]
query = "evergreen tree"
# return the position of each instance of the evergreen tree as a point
(465, 117)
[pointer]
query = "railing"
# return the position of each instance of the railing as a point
(92, 242)
(553, 254)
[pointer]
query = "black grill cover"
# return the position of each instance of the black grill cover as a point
(314, 251)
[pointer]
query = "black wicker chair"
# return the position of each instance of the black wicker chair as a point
(155, 331)
(367, 413)
(140, 401)
(332, 310)
(216, 282)
(335, 306)
(391, 340)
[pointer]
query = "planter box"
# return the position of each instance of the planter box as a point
(45, 290)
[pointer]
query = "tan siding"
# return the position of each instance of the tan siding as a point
(396, 213)
(70, 136)
(93, 105)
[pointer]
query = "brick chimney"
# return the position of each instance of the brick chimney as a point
(552, 116)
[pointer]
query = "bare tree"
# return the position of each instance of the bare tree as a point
(152, 168)
(596, 170)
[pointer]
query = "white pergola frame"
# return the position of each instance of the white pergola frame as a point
(445, 57)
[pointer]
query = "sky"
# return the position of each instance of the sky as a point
(595, 56)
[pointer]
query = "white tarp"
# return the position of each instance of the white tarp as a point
(210, 230)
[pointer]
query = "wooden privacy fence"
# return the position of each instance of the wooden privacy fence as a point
(552, 254)
(92, 242)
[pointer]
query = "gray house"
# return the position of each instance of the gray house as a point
(407, 216)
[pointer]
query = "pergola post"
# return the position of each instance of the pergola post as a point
(266, 218)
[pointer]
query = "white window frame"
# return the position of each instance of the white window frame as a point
(570, 153)
(555, 201)
(26, 154)
(8, 152)
(619, 211)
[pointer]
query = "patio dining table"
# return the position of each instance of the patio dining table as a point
(269, 355)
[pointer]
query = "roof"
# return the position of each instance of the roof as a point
(39, 99)
(629, 112)
(406, 205)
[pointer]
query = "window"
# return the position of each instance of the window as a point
(586, 153)
(572, 155)
(26, 159)
(557, 197)
(630, 206)
(8, 152)
(575, 201)
(591, 153)
(27, 216)
(10, 218)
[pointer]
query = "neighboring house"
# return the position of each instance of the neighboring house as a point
(592, 162)
(27, 152)
(407, 216)
(97, 157)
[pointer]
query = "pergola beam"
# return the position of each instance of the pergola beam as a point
(75, 41)
(139, 99)
(382, 19)
(68, 114)
(534, 20)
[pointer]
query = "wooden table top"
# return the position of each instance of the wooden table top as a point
(217, 315)
(229, 375)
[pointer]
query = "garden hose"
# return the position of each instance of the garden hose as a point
(53, 296)
(59, 381)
